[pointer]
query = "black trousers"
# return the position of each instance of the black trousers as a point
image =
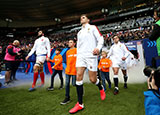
(14, 69)
(60, 77)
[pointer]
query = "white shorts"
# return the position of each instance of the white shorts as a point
(40, 60)
(90, 63)
(122, 65)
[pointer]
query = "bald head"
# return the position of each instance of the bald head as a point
(16, 43)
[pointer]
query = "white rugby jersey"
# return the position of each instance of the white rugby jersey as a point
(41, 46)
(117, 51)
(89, 38)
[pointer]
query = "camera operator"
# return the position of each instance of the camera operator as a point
(152, 96)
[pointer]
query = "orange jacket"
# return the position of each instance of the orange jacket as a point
(71, 61)
(104, 65)
(58, 62)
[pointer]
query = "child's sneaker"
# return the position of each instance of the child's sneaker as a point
(65, 101)
(50, 88)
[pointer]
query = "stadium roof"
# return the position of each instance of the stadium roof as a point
(44, 12)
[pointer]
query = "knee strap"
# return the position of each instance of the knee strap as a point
(115, 76)
(97, 82)
(79, 82)
(38, 64)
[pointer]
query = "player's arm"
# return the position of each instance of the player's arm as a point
(126, 52)
(78, 44)
(110, 52)
(32, 50)
(100, 40)
(48, 49)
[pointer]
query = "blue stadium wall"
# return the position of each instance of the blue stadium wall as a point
(150, 51)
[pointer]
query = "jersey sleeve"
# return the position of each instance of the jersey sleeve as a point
(98, 37)
(78, 44)
(125, 51)
(110, 52)
(48, 48)
(33, 49)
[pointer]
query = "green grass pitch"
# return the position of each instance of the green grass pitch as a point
(18, 101)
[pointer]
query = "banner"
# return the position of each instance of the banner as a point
(150, 51)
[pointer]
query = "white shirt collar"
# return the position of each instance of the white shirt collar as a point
(117, 43)
(83, 27)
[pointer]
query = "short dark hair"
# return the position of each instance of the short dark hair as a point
(72, 40)
(59, 49)
(115, 36)
(85, 15)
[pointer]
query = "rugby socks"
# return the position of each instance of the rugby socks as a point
(42, 77)
(115, 78)
(125, 78)
(79, 87)
(98, 83)
(35, 77)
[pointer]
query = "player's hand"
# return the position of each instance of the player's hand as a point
(48, 59)
(123, 58)
(27, 57)
(96, 51)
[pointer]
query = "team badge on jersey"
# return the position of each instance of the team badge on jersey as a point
(88, 30)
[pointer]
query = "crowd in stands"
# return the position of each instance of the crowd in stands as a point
(129, 35)
(127, 30)
(60, 40)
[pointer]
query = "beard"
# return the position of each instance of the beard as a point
(40, 35)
